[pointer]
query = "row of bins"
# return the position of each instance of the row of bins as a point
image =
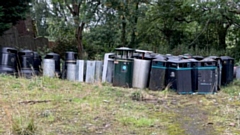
(53, 59)
(186, 75)
(27, 63)
(23, 63)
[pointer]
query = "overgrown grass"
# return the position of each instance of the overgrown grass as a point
(51, 106)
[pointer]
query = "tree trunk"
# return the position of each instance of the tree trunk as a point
(168, 35)
(80, 48)
(123, 36)
(79, 23)
(222, 33)
(222, 39)
(133, 36)
(79, 33)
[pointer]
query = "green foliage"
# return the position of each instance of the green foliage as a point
(99, 40)
(137, 95)
(233, 88)
(127, 15)
(183, 49)
(164, 26)
(40, 14)
(12, 11)
(64, 45)
(60, 30)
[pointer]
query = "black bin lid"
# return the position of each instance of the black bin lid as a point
(52, 55)
(183, 63)
(8, 50)
(69, 55)
(26, 53)
(214, 57)
(197, 57)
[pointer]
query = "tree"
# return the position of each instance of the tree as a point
(166, 22)
(12, 11)
(216, 19)
(127, 12)
(82, 12)
(40, 13)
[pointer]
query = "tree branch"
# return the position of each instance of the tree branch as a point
(199, 33)
(70, 9)
(237, 11)
(79, 5)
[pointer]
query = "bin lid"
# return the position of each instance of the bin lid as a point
(110, 55)
(176, 58)
(69, 55)
(135, 55)
(187, 56)
(207, 59)
(226, 58)
(179, 61)
(213, 57)
(53, 54)
(26, 53)
(160, 59)
(197, 57)
(143, 51)
(160, 56)
(67, 52)
(147, 56)
(168, 54)
(124, 53)
(8, 49)
(193, 60)
(124, 49)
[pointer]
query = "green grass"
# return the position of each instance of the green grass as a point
(49, 106)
